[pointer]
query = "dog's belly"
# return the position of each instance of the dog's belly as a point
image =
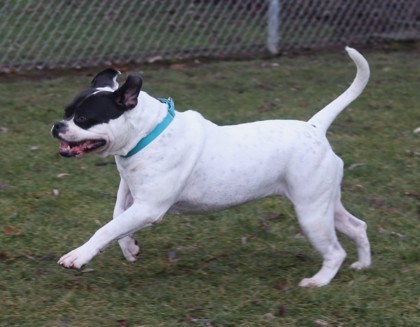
(246, 162)
(216, 196)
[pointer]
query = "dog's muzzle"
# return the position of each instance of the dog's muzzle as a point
(59, 127)
(75, 148)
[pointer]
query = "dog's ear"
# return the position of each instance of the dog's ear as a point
(128, 93)
(106, 78)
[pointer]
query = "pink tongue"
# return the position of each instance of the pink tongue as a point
(77, 149)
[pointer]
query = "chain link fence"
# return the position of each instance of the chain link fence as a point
(47, 34)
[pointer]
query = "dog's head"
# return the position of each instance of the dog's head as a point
(95, 115)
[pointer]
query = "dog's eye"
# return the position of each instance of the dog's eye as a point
(80, 119)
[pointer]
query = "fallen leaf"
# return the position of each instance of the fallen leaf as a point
(151, 60)
(193, 307)
(4, 130)
(264, 225)
(398, 235)
(269, 316)
(205, 322)
(55, 192)
(3, 186)
(177, 66)
(87, 270)
(381, 230)
(215, 257)
(62, 175)
(322, 323)
(274, 216)
(284, 287)
(245, 239)
(415, 195)
(11, 231)
(30, 257)
(122, 323)
(377, 203)
(172, 256)
(299, 235)
(356, 165)
(40, 272)
(6, 70)
(282, 311)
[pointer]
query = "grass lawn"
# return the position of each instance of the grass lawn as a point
(239, 267)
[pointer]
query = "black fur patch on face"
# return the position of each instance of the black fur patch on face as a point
(91, 108)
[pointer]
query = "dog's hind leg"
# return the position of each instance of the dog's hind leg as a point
(355, 229)
(315, 204)
(317, 222)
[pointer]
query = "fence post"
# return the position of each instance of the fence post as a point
(273, 25)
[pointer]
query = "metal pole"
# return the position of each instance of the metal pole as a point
(273, 36)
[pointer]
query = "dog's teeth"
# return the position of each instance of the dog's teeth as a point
(68, 147)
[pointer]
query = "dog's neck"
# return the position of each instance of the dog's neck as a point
(142, 120)
(159, 129)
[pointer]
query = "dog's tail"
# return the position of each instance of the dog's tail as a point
(324, 118)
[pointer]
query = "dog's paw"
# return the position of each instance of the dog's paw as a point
(312, 282)
(130, 248)
(358, 265)
(76, 258)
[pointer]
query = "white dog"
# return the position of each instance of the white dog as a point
(179, 162)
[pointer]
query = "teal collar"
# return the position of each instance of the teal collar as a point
(145, 141)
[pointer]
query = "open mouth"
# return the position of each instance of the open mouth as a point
(74, 149)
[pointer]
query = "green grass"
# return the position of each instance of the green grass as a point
(216, 280)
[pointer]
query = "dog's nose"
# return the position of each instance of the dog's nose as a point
(58, 127)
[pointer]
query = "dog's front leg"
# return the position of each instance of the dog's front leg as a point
(128, 244)
(133, 219)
